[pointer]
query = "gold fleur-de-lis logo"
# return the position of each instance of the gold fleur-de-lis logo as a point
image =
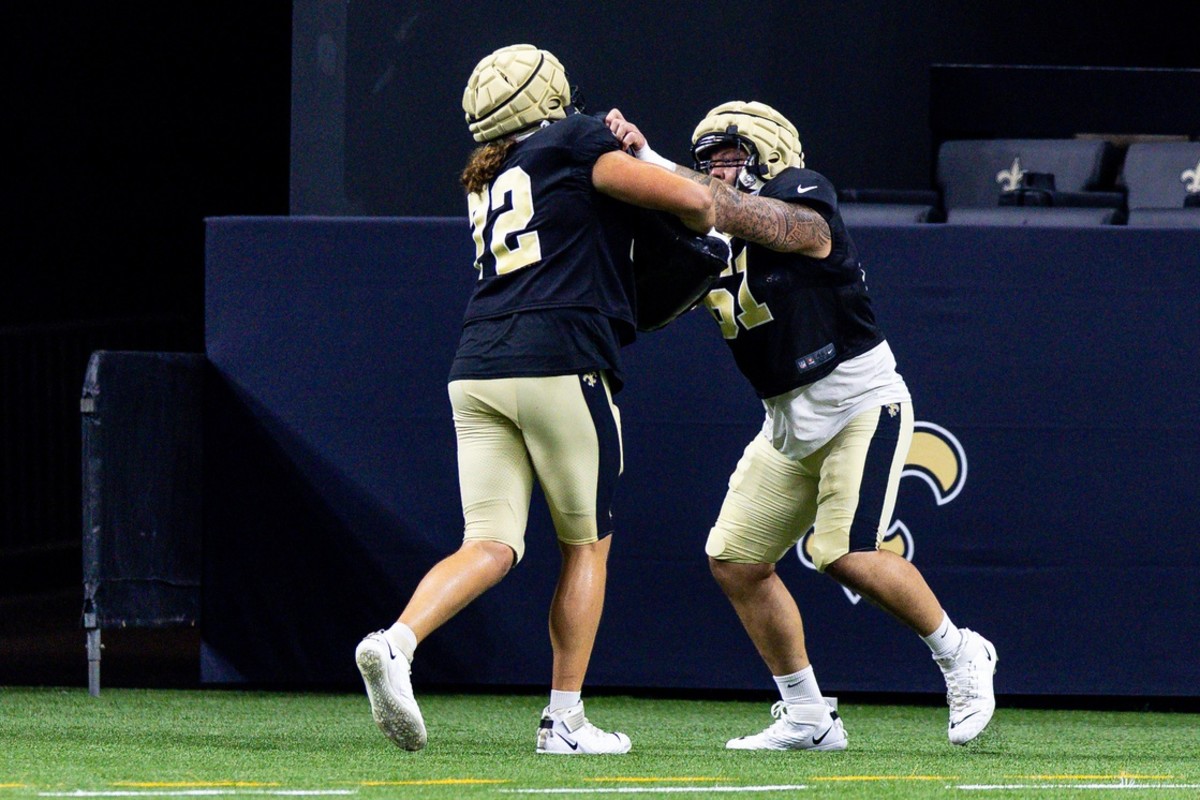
(1009, 179)
(589, 378)
(1191, 179)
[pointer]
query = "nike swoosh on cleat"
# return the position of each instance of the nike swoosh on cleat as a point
(389, 645)
(572, 745)
(803, 189)
(954, 725)
(821, 738)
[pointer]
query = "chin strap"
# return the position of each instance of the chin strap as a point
(749, 180)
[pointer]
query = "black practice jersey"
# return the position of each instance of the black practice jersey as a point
(545, 238)
(788, 318)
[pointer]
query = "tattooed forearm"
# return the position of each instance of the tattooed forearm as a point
(698, 177)
(785, 227)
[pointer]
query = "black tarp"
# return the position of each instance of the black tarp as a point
(142, 457)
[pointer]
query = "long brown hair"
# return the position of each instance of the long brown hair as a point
(484, 163)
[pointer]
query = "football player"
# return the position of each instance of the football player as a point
(532, 382)
(795, 312)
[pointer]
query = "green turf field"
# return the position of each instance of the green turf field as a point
(218, 743)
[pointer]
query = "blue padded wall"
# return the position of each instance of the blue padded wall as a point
(1051, 505)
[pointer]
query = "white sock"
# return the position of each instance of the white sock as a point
(799, 688)
(403, 639)
(945, 640)
(560, 700)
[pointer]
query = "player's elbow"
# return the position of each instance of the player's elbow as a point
(697, 209)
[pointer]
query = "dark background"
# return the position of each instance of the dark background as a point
(853, 76)
(129, 123)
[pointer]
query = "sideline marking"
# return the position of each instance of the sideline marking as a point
(867, 778)
(1123, 786)
(1120, 776)
(200, 793)
(650, 780)
(659, 789)
(437, 782)
(194, 784)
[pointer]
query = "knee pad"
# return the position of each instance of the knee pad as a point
(575, 528)
(825, 550)
(495, 521)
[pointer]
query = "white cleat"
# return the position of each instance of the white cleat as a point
(385, 671)
(969, 691)
(568, 732)
(802, 727)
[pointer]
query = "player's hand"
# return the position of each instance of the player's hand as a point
(627, 133)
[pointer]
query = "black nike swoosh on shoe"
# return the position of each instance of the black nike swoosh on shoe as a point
(570, 744)
(821, 738)
(954, 725)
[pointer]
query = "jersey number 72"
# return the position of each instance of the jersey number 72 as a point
(507, 238)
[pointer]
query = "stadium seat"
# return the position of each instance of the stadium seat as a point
(1162, 182)
(1041, 182)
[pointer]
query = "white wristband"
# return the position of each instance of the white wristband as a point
(651, 157)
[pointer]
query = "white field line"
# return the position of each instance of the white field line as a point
(199, 792)
(1123, 785)
(1017, 787)
(659, 789)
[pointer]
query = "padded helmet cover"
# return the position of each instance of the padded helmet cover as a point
(515, 88)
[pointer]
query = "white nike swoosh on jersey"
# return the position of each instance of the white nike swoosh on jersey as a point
(803, 189)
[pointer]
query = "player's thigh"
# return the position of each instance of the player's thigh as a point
(495, 476)
(860, 474)
(769, 505)
(573, 431)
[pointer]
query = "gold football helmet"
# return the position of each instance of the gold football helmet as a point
(515, 88)
(771, 143)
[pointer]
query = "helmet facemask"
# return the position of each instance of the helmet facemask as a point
(769, 139)
(750, 174)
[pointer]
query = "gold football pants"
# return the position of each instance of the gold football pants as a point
(563, 430)
(846, 491)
